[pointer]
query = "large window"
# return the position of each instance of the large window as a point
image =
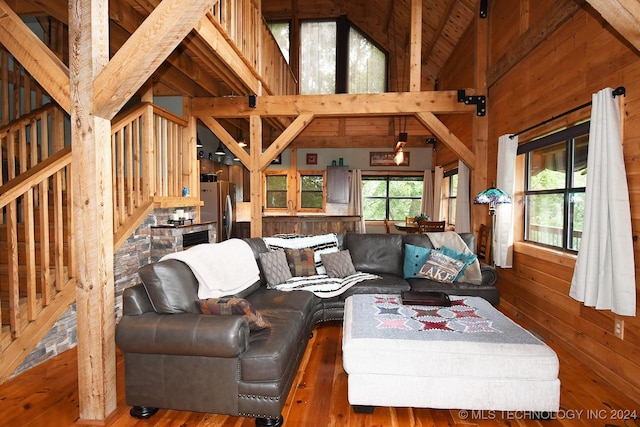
(555, 180)
(392, 197)
(335, 57)
(318, 57)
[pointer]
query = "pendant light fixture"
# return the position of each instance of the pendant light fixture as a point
(220, 150)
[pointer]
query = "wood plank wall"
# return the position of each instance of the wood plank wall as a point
(581, 57)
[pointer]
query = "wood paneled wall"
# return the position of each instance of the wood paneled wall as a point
(579, 58)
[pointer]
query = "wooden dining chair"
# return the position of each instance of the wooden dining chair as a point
(430, 226)
(483, 243)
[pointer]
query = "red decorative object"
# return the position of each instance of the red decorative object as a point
(312, 158)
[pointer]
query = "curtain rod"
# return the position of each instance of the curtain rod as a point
(618, 91)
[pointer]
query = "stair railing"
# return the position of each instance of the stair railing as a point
(29, 231)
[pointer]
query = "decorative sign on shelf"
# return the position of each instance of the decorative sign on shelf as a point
(386, 158)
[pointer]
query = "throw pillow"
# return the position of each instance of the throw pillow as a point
(229, 306)
(441, 268)
(301, 262)
(468, 258)
(338, 264)
(275, 267)
(414, 259)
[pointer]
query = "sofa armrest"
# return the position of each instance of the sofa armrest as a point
(489, 275)
(183, 334)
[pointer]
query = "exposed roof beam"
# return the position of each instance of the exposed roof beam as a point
(48, 70)
(390, 103)
(131, 66)
(623, 15)
(442, 132)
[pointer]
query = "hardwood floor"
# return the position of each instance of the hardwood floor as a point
(47, 396)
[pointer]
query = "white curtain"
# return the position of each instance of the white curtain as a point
(355, 201)
(463, 221)
(426, 206)
(437, 193)
(502, 241)
(604, 274)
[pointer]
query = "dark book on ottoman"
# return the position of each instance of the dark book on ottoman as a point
(431, 298)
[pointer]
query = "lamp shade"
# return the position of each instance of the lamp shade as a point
(492, 196)
(219, 151)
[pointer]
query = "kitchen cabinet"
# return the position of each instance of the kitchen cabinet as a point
(338, 184)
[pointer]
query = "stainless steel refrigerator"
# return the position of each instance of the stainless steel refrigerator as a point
(219, 206)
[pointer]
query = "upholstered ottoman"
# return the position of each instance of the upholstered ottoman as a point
(467, 356)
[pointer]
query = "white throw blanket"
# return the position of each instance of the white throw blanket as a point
(451, 239)
(224, 268)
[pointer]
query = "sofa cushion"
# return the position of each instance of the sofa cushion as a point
(275, 267)
(301, 262)
(271, 351)
(233, 306)
(468, 259)
(319, 244)
(414, 259)
(376, 253)
(338, 264)
(171, 286)
(441, 268)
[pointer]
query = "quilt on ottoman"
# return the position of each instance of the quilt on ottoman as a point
(467, 356)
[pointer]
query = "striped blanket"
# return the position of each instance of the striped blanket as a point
(324, 286)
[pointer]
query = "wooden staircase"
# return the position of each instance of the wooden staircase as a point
(36, 270)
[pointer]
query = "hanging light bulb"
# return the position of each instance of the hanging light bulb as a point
(241, 141)
(219, 151)
(399, 157)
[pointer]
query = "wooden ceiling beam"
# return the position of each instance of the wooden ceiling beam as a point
(285, 138)
(131, 67)
(226, 138)
(444, 135)
(39, 61)
(623, 16)
(381, 104)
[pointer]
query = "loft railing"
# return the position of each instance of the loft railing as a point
(242, 22)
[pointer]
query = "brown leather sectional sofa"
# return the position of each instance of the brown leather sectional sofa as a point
(178, 358)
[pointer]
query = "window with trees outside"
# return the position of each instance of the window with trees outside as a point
(555, 180)
(276, 191)
(281, 31)
(312, 191)
(392, 197)
(335, 57)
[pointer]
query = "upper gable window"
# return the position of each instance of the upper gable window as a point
(367, 65)
(318, 57)
(281, 32)
(337, 58)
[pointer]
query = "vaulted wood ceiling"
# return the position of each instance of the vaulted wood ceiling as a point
(190, 71)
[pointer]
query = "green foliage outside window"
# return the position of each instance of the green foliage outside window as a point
(391, 197)
(311, 191)
(276, 194)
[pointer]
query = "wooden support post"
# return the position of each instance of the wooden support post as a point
(93, 212)
(415, 74)
(255, 177)
(480, 123)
